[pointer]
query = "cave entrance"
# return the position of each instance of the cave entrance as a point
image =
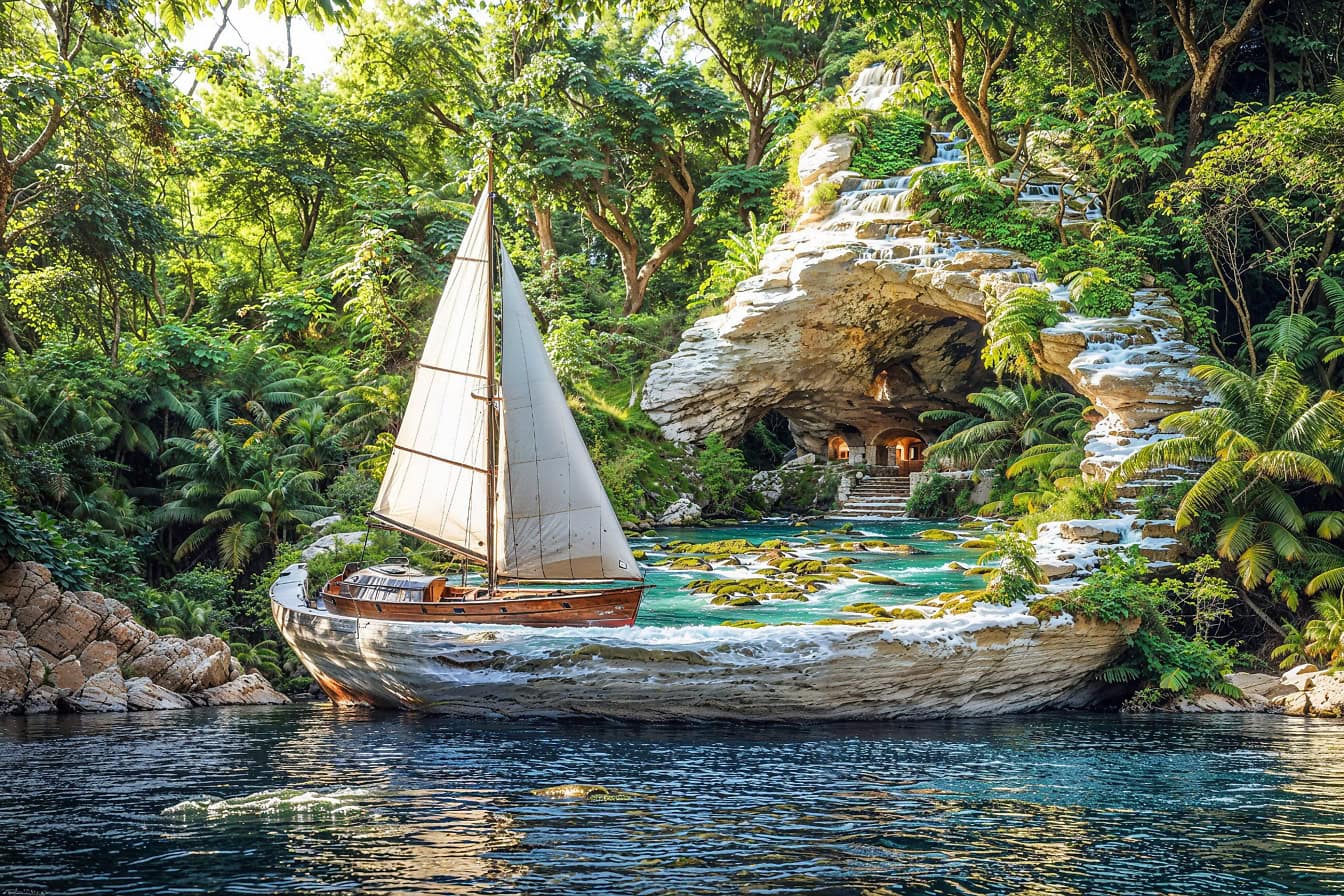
(837, 448)
(899, 449)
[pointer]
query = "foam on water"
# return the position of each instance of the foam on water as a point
(336, 803)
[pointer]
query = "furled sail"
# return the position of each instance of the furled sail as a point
(436, 481)
(554, 519)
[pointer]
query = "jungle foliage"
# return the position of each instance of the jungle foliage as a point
(216, 269)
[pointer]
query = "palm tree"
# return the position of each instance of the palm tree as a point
(1270, 442)
(1013, 419)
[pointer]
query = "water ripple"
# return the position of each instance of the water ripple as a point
(1067, 804)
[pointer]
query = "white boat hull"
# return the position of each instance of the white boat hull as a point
(993, 661)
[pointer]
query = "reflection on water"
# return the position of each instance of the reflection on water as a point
(1079, 804)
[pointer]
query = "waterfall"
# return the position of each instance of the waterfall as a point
(875, 85)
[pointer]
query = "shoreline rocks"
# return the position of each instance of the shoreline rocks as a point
(1301, 691)
(78, 651)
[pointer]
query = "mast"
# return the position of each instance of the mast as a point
(491, 384)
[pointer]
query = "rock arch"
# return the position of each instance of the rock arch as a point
(865, 319)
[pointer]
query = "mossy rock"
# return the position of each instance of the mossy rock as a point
(648, 533)
(813, 532)
(905, 550)
(975, 525)
(906, 613)
(800, 525)
(954, 566)
(819, 579)
(882, 580)
(689, 563)
(844, 529)
(847, 561)
(832, 621)
(728, 600)
(638, 555)
(775, 544)
(840, 570)
(800, 565)
(743, 623)
(866, 607)
(771, 556)
(937, 535)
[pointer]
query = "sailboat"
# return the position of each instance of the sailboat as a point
(489, 464)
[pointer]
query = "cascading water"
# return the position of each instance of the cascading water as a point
(875, 86)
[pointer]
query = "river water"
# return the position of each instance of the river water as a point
(385, 803)
(316, 799)
(668, 603)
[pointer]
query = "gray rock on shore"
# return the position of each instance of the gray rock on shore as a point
(78, 651)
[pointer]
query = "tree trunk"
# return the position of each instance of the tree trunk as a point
(635, 285)
(541, 225)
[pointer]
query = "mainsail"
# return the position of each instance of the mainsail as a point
(555, 521)
(437, 478)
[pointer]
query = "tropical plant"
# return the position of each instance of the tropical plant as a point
(1012, 419)
(1270, 445)
(742, 254)
(1013, 574)
(1013, 324)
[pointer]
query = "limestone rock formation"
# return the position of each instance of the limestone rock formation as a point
(67, 651)
(681, 512)
(1301, 691)
(861, 318)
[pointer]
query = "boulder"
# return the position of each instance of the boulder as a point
(328, 543)
(1260, 685)
(1162, 550)
(104, 692)
(143, 694)
(1206, 701)
(1159, 529)
(41, 700)
(681, 512)
(1299, 677)
(1086, 531)
(20, 671)
(99, 655)
(67, 676)
(1057, 570)
(69, 627)
(249, 689)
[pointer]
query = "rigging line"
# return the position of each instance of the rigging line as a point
(438, 457)
(479, 376)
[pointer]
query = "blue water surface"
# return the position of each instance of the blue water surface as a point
(1051, 804)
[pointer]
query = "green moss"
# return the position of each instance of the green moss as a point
(800, 565)
(743, 623)
(937, 535)
(689, 563)
(882, 580)
(639, 555)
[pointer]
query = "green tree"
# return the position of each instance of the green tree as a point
(1274, 447)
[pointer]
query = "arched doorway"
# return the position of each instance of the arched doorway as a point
(899, 448)
(837, 448)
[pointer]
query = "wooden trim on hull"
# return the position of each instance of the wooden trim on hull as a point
(607, 608)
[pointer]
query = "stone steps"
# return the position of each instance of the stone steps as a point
(876, 496)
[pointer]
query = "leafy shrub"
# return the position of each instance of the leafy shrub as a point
(23, 537)
(622, 475)
(1013, 330)
(934, 497)
(890, 145)
(1159, 653)
(973, 201)
(724, 476)
(823, 194)
(1095, 293)
(352, 492)
(1015, 575)
(742, 254)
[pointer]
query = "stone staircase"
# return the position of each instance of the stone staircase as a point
(877, 496)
